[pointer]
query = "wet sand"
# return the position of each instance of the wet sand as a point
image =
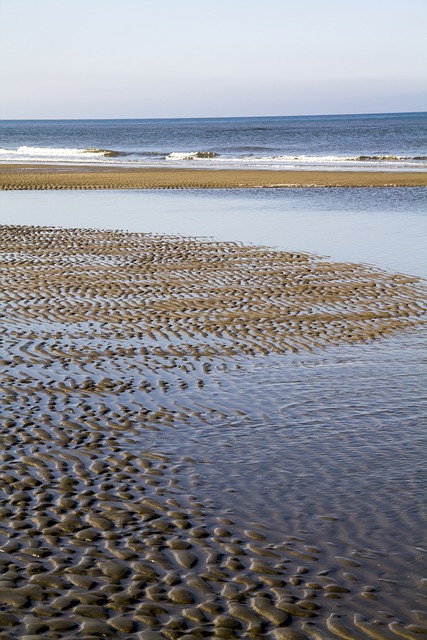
(99, 533)
(88, 177)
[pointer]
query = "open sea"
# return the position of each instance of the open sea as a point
(360, 142)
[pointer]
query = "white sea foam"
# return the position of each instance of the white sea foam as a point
(191, 155)
(34, 154)
(331, 162)
(48, 151)
(318, 159)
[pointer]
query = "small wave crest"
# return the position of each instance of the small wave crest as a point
(59, 152)
(191, 155)
(383, 158)
(106, 153)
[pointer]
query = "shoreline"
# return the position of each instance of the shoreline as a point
(56, 177)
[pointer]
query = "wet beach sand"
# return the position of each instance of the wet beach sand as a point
(41, 177)
(118, 347)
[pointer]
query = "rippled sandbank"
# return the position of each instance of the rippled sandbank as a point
(135, 362)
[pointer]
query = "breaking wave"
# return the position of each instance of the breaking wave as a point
(247, 156)
(386, 158)
(335, 159)
(107, 153)
(191, 155)
(332, 161)
(26, 152)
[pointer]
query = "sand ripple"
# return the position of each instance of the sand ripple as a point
(108, 338)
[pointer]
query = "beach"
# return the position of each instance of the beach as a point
(40, 177)
(212, 376)
(150, 380)
(213, 327)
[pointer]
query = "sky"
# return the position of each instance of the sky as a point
(208, 58)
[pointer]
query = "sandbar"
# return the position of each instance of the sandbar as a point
(29, 177)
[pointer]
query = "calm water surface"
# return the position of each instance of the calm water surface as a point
(385, 227)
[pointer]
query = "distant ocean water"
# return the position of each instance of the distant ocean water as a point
(356, 142)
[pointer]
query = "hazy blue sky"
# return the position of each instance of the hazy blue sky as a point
(178, 58)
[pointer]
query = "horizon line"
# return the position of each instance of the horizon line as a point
(305, 115)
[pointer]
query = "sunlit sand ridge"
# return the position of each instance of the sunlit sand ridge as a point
(101, 330)
(42, 177)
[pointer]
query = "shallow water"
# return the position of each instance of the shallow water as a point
(327, 447)
(385, 227)
(330, 447)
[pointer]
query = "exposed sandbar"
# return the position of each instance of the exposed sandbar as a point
(27, 177)
(220, 297)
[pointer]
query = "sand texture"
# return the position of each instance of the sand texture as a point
(103, 335)
(77, 177)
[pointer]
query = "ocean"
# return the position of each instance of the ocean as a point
(357, 142)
